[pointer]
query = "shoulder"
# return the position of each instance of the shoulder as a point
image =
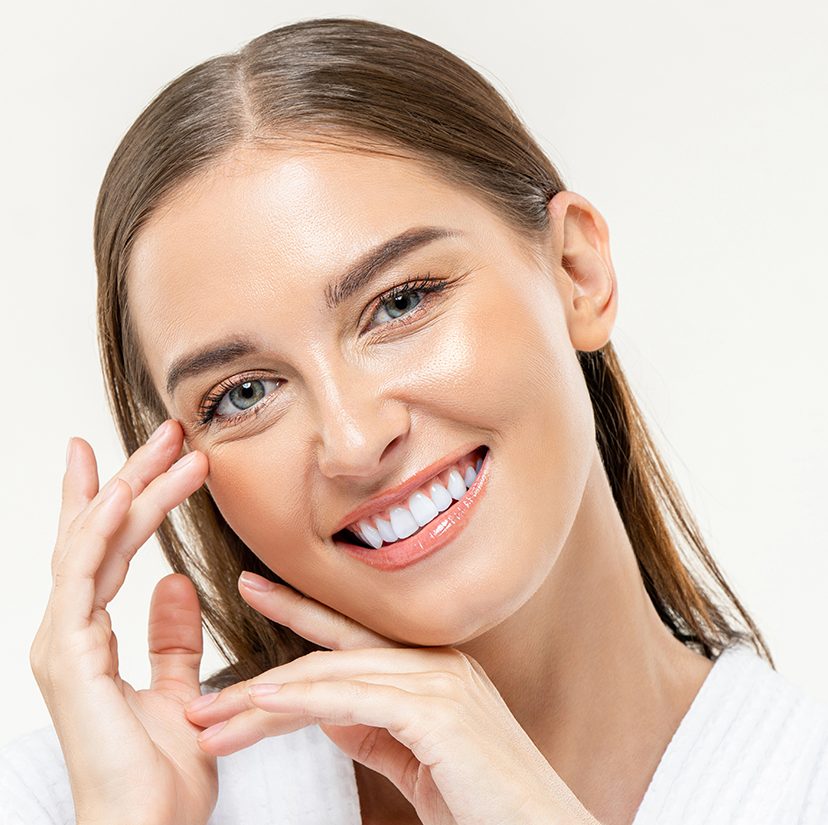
(752, 748)
(783, 733)
(286, 778)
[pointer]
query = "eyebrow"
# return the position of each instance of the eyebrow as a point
(364, 270)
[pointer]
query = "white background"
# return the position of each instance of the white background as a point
(698, 130)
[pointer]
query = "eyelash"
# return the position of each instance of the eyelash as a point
(207, 411)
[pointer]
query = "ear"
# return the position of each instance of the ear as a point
(581, 258)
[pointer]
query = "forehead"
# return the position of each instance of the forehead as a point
(265, 229)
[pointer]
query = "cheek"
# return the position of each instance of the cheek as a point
(556, 444)
(530, 384)
(505, 366)
(258, 497)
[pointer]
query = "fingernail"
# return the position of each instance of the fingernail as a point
(212, 730)
(263, 690)
(202, 701)
(69, 451)
(159, 432)
(256, 582)
(182, 462)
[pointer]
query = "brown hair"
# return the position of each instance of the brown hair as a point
(380, 89)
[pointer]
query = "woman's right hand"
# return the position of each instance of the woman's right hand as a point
(131, 755)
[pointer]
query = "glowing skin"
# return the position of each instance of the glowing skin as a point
(541, 587)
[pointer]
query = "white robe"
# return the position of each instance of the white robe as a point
(751, 750)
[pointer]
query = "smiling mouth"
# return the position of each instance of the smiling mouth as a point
(409, 516)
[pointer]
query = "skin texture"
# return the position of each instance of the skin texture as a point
(542, 587)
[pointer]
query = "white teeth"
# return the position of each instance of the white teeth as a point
(456, 485)
(385, 530)
(440, 496)
(403, 522)
(370, 534)
(471, 475)
(422, 508)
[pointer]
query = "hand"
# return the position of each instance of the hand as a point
(429, 719)
(125, 750)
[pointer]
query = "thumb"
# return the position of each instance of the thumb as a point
(175, 638)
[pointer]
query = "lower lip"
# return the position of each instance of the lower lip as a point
(445, 528)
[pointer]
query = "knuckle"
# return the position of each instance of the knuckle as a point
(90, 531)
(60, 577)
(260, 724)
(423, 731)
(448, 712)
(35, 659)
(156, 511)
(69, 528)
(447, 683)
(42, 667)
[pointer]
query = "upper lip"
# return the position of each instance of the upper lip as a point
(395, 494)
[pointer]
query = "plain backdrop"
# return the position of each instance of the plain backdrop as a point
(698, 130)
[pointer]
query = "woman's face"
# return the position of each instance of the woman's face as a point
(333, 406)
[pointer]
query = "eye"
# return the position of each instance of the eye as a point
(397, 302)
(236, 399)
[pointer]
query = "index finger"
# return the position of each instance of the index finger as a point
(309, 618)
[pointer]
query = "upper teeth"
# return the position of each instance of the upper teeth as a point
(423, 505)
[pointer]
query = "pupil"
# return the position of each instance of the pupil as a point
(400, 301)
(249, 391)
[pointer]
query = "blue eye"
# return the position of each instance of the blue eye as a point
(243, 395)
(400, 295)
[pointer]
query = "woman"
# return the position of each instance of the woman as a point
(337, 272)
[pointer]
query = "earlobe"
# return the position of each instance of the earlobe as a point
(580, 245)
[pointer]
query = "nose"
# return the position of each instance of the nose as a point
(360, 424)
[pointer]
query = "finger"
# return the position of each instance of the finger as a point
(80, 484)
(326, 664)
(73, 582)
(427, 683)
(309, 618)
(412, 718)
(250, 727)
(165, 492)
(175, 637)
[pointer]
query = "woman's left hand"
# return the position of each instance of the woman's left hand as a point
(429, 719)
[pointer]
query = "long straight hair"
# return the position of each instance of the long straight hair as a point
(376, 88)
